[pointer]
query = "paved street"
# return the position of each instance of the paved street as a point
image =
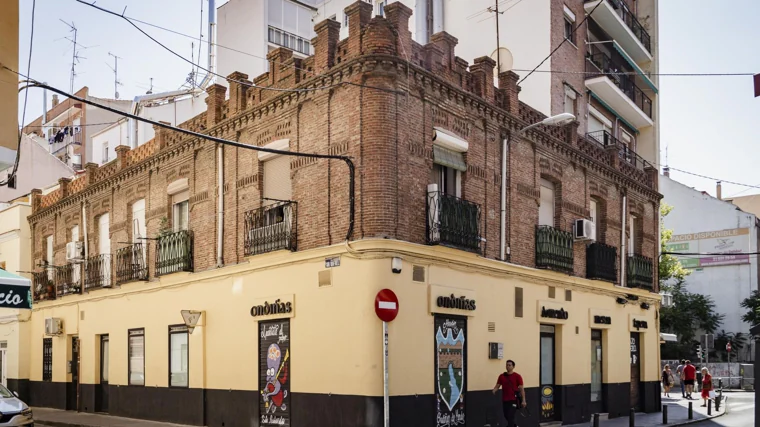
(741, 412)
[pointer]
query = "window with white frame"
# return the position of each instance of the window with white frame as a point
(105, 152)
(277, 188)
(181, 210)
(593, 212)
(178, 356)
(49, 256)
(569, 25)
(136, 357)
(570, 101)
(547, 200)
(381, 8)
(632, 226)
(345, 20)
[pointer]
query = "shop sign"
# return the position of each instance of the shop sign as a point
(451, 360)
(637, 324)
(448, 300)
(600, 319)
(274, 373)
(551, 312)
(274, 307)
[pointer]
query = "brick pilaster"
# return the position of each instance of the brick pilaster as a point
(239, 85)
(508, 83)
(325, 43)
(359, 14)
(482, 72)
(214, 101)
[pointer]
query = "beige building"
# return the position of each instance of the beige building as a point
(8, 84)
(749, 203)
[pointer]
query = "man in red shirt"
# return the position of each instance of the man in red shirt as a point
(513, 393)
(689, 376)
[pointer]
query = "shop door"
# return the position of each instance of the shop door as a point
(597, 398)
(72, 393)
(548, 412)
(635, 370)
(101, 395)
(3, 365)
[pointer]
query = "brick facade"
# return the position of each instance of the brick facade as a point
(360, 98)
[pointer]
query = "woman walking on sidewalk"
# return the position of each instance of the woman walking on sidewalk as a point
(707, 386)
(667, 380)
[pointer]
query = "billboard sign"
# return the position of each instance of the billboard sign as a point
(726, 247)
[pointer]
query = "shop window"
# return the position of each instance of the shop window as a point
(136, 357)
(274, 369)
(596, 366)
(546, 208)
(47, 359)
(178, 356)
(450, 367)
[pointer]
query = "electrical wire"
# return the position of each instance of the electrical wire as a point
(711, 178)
(88, 124)
(564, 40)
(633, 73)
(11, 176)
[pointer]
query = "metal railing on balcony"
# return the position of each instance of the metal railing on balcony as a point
(97, 272)
(43, 285)
(289, 40)
(554, 249)
(174, 252)
(598, 63)
(131, 263)
(453, 221)
(68, 279)
(605, 139)
(640, 272)
(631, 22)
(271, 228)
(601, 262)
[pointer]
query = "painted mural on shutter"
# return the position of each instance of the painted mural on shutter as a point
(274, 372)
(450, 370)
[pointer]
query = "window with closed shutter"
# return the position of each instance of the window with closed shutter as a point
(546, 209)
(277, 179)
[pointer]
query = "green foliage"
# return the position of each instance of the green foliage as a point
(752, 304)
(163, 227)
(689, 313)
(670, 268)
(738, 341)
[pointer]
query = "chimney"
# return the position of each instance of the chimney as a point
(55, 100)
(718, 191)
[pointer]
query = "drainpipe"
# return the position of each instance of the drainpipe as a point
(623, 251)
(86, 247)
(220, 213)
(503, 240)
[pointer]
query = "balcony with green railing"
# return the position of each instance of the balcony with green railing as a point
(601, 262)
(453, 221)
(174, 252)
(554, 249)
(640, 272)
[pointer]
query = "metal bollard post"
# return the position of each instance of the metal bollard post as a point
(632, 418)
(718, 398)
(664, 414)
(691, 413)
(709, 407)
(596, 420)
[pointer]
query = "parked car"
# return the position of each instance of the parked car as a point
(13, 411)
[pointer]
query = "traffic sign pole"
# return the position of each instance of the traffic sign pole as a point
(386, 402)
(386, 308)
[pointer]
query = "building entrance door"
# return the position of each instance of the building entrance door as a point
(635, 370)
(72, 392)
(548, 412)
(597, 397)
(101, 395)
(3, 366)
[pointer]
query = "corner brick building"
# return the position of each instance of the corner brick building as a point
(425, 131)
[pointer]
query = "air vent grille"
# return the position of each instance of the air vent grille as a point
(418, 273)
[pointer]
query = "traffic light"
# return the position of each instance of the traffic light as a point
(699, 351)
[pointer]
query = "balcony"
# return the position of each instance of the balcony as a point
(605, 139)
(621, 24)
(554, 249)
(601, 262)
(97, 272)
(44, 286)
(453, 222)
(640, 272)
(618, 91)
(271, 228)
(289, 40)
(131, 263)
(68, 279)
(174, 252)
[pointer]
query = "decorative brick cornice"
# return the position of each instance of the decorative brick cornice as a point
(529, 191)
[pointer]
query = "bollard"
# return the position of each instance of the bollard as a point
(709, 407)
(691, 414)
(717, 402)
(664, 414)
(596, 420)
(632, 418)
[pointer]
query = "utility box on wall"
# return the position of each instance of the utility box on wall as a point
(495, 350)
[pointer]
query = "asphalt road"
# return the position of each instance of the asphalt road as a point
(741, 412)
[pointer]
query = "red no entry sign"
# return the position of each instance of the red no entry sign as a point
(728, 347)
(386, 305)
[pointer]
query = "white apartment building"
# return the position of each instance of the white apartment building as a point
(605, 73)
(37, 168)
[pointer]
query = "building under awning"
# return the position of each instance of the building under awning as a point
(15, 291)
(668, 337)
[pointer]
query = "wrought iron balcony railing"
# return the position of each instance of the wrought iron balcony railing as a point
(554, 249)
(601, 262)
(271, 228)
(453, 221)
(631, 22)
(44, 286)
(131, 263)
(97, 272)
(640, 272)
(600, 64)
(174, 252)
(605, 139)
(68, 279)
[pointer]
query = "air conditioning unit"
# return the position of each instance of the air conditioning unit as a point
(584, 230)
(74, 251)
(53, 326)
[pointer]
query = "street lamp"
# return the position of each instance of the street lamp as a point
(558, 120)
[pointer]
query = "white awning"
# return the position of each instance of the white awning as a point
(668, 337)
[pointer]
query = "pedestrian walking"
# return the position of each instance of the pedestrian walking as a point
(690, 376)
(667, 380)
(707, 386)
(512, 392)
(679, 372)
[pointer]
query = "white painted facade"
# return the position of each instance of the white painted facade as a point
(37, 169)
(698, 212)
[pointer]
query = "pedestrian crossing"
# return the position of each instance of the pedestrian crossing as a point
(740, 407)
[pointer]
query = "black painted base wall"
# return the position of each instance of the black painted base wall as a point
(47, 394)
(20, 386)
(617, 399)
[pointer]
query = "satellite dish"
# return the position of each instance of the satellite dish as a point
(505, 56)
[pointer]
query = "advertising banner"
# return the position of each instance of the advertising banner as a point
(725, 246)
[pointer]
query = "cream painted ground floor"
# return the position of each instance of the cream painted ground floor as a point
(293, 339)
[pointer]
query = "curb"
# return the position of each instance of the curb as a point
(725, 411)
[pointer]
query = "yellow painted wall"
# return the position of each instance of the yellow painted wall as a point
(9, 80)
(334, 328)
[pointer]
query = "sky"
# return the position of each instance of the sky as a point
(708, 124)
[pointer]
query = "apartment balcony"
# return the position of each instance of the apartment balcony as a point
(271, 228)
(621, 24)
(68, 279)
(640, 272)
(289, 40)
(131, 263)
(452, 221)
(618, 91)
(554, 249)
(627, 155)
(601, 262)
(174, 252)
(97, 272)
(43, 285)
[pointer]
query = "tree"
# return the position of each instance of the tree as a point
(670, 268)
(738, 341)
(752, 304)
(689, 313)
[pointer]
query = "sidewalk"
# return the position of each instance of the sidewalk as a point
(677, 414)
(59, 418)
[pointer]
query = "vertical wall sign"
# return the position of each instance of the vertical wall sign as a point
(274, 372)
(450, 369)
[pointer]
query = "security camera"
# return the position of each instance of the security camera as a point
(396, 265)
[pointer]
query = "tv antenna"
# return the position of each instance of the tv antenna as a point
(75, 55)
(115, 69)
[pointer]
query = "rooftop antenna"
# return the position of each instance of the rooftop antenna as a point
(75, 55)
(150, 91)
(115, 68)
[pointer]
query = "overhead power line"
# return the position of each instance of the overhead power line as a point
(633, 73)
(711, 178)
